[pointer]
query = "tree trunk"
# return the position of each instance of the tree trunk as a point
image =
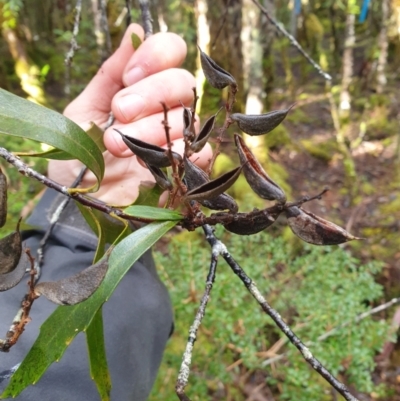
(348, 61)
(383, 48)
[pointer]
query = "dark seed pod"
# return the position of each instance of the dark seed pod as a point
(150, 154)
(195, 177)
(315, 230)
(161, 179)
(75, 289)
(188, 127)
(11, 279)
(248, 225)
(215, 75)
(10, 251)
(204, 134)
(256, 176)
(3, 199)
(215, 187)
(259, 124)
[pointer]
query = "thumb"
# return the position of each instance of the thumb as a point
(94, 103)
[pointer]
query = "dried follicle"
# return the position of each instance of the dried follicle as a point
(314, 229)
(210, 193)
(215, 75)
(10, 251)
(204, 134)
(3, 198)
(195, 177)
(259, 124)
(245, 224)
(151, 154)
(75, 289)
(188, 126)
(161, 178)
(256, 176)
(11, 279)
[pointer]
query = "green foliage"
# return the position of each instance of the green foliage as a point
(314, 291)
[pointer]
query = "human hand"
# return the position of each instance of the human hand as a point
(132, 84)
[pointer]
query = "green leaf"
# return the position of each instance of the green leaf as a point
(94, 131)
(136, 41)
(24, 119)
(58, 331)
(152, 213)
(107, 228)
(97, 356)
(148, 194)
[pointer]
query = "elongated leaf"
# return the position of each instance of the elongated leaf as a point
(58, 331)
(107, 228)
(152, 213)
(97, 356)
(22, 118)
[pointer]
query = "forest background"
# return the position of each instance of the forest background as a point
(343, 134)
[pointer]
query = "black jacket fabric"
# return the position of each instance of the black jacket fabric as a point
(137, 318)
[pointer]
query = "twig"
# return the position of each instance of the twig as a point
(292, 41)
(228, 107)
(252, 288)
(85, 200)
(22, 318)
(334, 330)
(105, 28)
(146, 18)
(184, 371)
(128, 13)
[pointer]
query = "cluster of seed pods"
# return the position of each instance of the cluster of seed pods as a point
(211, 193)
(193, 186)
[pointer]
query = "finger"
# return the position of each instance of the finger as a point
(148, 129)
(159, 52)
(95, 101)
(144, 98)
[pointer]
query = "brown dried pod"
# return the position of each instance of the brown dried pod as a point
(10, 251)
(150, 154)
(256, 176)
(160, 177)
(75, 289)
(315, 230)
(195, 177)
(204, 134)
(259, 124)
(248, 225)
(11, 279)
(215, 187)
(188, 127)
(215, 75)
(3, 199)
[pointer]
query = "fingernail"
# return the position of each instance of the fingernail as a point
(131, 106)
(134, 75)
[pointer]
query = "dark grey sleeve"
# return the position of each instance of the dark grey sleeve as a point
(137, 318)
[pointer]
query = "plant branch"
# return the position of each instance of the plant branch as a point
(336, 329)
(146, 18)
(292, 40)
(275, 316)
(184, 371)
